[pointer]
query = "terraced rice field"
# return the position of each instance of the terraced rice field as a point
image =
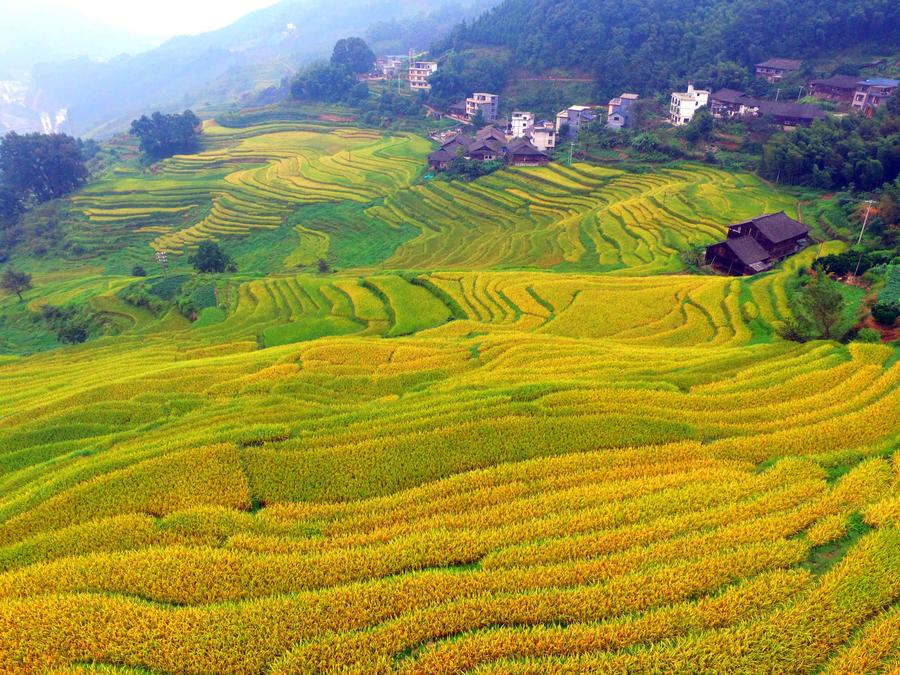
(459, 467)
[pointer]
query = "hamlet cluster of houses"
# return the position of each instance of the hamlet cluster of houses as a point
(853, 92)
(489, 144)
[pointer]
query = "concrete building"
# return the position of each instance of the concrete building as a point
(574, 117)
(684, 104)
(542, 135)
(419, 72)
(389, 66)
(620, 103)
(487, 104)
(519, 122)
(872, 93)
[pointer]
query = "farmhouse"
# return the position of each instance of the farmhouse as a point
(775, 69)
(729, 103)
(756, 244)
(837, 88)
(620, 103)
(542, 135)
(684, 104)
(488, 145)
(419, 72)
(484, 103)
(519, 122)
(573, 118)
(523, 153)
(872, 93)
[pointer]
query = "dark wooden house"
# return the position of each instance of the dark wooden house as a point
(756, 244)
(837, 88)
(439, 160)
(775, 69)
(522, 153)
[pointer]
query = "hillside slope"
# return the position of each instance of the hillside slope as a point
(221, 66)
(649, 45)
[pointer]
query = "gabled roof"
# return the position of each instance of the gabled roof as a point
(747, 249)
(490, 132)
(839, 81)
(795, 110)
(442, 155)
(521, 146)
(781, 64)
(732, 96)
(487, 145)
(778, 227)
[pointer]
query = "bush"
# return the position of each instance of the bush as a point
(138, 271)
(886, 313)
(868, 335)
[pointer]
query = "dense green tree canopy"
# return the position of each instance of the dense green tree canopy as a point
(38, 167)
(353, 54)
(166, 135)
(210, 257)
(649, 45)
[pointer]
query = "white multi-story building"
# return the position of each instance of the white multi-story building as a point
(685, 104)
(519, 122)
(542, 135)
(419, 72)
(486, 103)
(573, 118)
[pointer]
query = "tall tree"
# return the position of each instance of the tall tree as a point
(40, 167)
(822, 305)
(210, 257)
(353, 54)
(166, 135)
(15, 281)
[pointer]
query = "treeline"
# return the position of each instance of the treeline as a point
(336, 81)
(835, 153)
(649, 45)
(36, 168)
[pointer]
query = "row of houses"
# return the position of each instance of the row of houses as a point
(730, 103)
(489, 144)
(861, 94)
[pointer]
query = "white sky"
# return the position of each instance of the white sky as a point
(164, 18)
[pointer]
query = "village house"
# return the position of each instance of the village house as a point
(521, 152)
(486, 104)
(620, 103)
(489, 144)
(389, 66)
(519, 122)
(419, 72)
(573, 118)
(729, 104)
(618, 111)
(837, 88)
(458, 110)
(755, 245)
(684, 104)
(542, 135)
(872, 93)
(775, 69)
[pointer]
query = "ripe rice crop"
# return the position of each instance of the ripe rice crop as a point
(511, 436)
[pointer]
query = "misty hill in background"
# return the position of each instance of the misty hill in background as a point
(650, 45)
(235, 62)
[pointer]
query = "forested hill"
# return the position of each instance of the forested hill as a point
(647, 44)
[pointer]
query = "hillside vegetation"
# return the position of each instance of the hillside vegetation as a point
(657, 43)
(510, 433)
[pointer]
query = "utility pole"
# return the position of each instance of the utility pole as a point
(777, 92)
(799, 94)
(861, 231)
(571, 151)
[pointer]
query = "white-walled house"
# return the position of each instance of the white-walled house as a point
(486, 103)
(685, 103)
(542, 135)
(519, 122)
(574, 116)
(419, 72)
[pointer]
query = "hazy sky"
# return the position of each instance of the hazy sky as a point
(164, 18)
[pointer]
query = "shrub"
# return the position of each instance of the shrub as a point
(868, 335)
(886, 313)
